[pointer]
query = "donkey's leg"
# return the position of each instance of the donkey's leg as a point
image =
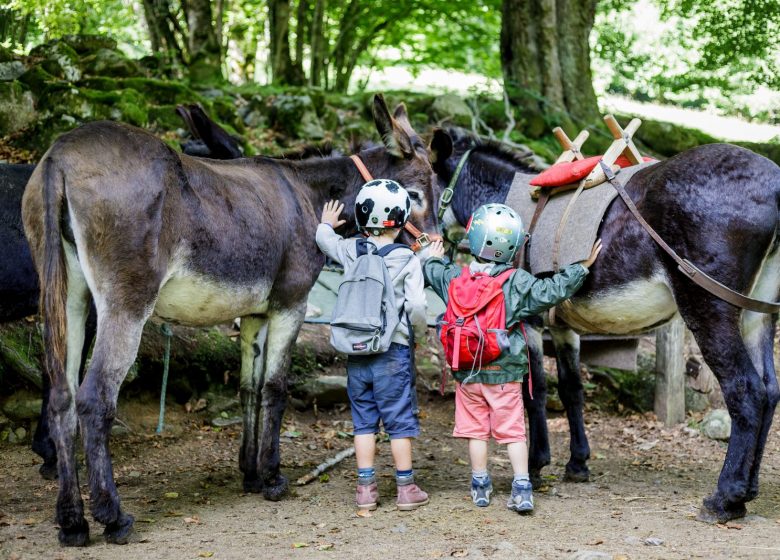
(759, 338)
(283, 329)
(715, 325)
(538, 437)
(43, 444)
(567, 357)
(254, 330)
(116, 345)
(74, 530)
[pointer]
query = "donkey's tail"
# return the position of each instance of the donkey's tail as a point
(54, 276)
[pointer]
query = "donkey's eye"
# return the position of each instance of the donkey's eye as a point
(414, 195)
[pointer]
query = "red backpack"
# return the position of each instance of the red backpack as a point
(474, 325)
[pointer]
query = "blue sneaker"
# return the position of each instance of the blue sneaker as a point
(522, 499)
(481, 491)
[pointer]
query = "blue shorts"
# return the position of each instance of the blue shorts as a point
(380, 388)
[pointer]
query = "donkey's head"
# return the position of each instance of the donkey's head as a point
(409, 161)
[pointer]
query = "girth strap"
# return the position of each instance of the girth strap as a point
(685, 266)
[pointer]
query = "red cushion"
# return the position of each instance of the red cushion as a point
(573, 171)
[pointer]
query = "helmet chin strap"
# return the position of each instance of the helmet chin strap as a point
(421, 239)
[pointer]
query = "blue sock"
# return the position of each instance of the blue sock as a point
(366, 476)
(402, 478)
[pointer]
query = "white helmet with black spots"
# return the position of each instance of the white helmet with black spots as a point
(382, 203)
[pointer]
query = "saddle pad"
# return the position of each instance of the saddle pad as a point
(580, 231)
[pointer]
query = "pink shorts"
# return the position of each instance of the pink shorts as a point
(482, 410)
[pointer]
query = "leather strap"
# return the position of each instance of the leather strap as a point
(541, 202)
(456, 350)
(685, 266)
(361, 168)
(556, 252)
(446, 195)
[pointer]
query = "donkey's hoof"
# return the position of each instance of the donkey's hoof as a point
(253, 486)
(75, 536)
(48, 471)
(276, 489)
(536, 478)
(120, 530)
(579, 474)
(716, 510)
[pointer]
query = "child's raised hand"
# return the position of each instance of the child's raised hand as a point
(436, 249)
(593, 254)
(331, 212)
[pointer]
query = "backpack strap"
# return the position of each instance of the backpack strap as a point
(361, 246)
(387, 249)
(504, 276)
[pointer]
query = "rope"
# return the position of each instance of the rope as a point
(168, 333)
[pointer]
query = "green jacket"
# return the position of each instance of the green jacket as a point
(525, 296)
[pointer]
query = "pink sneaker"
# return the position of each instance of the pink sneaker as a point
(367, 496)
(411, 497)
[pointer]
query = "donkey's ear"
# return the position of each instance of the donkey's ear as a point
(394, 137)
(400, 112)
(441, 146)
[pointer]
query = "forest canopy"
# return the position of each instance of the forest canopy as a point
(698, 54)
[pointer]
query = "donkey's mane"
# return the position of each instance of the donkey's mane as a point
(495, 148)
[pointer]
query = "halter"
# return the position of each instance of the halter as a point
(446, 195)
(421, 239)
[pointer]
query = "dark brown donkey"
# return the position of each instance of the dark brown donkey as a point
(113, 213)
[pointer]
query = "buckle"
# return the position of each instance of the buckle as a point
(424, 240)
(446, 196)
(459, 321)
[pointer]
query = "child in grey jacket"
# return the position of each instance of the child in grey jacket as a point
(380, 386)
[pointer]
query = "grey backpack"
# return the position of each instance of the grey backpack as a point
(364, 318)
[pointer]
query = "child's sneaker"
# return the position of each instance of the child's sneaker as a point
(367, 496)
(481, 491)
(410, 497)
(522, 499)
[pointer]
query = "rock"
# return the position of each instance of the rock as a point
(220, 422)
(217, 403)
(89, 43)
(119, 430)
(717, 425)
(695, 401)
(59, 60)
(22, 405)
(590, 555)
(325, 389)
(21, 434)
(17, 107)
(107, 62)
(296, 116)
(11, 70)
(653, 541)
(10, 436)
(452, 108)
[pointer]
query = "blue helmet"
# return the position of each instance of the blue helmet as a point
(495, 233)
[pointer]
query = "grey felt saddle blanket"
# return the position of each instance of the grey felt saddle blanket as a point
(579, 232)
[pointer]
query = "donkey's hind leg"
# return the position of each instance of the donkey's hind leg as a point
(538, 436)
(254, 330)
(74, 530)
(715, 325)
(283, 328)
(116, 345)
(570, 390)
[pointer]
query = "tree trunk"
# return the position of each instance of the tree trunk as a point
(318, 47)
(205, 51)
(162, 26)
(282, 70)
(301, 30)
(545, 56)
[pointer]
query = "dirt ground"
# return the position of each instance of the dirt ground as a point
(184, 489)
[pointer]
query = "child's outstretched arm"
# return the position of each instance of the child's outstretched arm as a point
(330, 242)
(531, 296)
(438, 275)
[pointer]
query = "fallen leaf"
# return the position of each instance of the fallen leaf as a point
(460, 461)
(194, 520)
(364, 513)
(300, 545)
(205, 554)
(146, 520)
(732, 525)
(171, 495)
(324, 477)
(459, 553)
(596, 542)
(326, 546)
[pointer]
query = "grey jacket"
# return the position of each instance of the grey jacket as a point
(404, 269)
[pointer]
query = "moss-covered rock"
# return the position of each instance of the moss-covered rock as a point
(106, 62)
(296, 116)
(163, 92)
(451, 108)
(59, 60)
(84, 44)
(164, 117)
(17, 107)
(669, 139)
(11, 70)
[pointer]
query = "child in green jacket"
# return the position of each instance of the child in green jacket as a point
(489, 401)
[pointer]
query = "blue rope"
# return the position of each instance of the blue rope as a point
(168, 333)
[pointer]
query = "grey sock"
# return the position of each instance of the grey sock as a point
(521, 479)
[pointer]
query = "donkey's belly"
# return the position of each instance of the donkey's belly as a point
(191, 299)
(626, 309)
